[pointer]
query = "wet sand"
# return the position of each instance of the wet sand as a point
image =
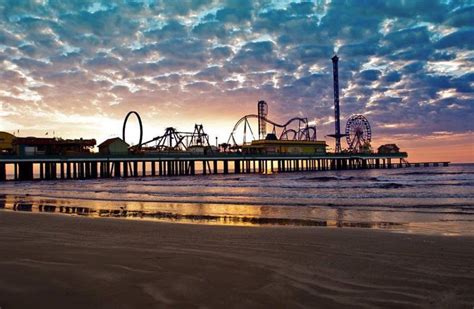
(56, 261)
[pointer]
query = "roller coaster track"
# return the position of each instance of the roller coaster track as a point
(304, 133)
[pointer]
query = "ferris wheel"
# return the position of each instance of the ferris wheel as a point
(358, 133)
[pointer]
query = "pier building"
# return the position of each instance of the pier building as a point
(267, 146)
(6, 142)
(34, 146)
(114, 146)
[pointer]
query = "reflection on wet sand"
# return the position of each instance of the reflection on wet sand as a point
(406, 221)
(255, 216)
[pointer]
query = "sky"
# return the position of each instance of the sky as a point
(76, 68)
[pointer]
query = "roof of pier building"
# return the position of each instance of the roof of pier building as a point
(114, 145)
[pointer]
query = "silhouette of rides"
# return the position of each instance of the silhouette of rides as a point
(139, 123)
(246, 128)
(358, 133)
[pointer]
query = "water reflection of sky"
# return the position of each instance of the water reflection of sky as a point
(429, 200)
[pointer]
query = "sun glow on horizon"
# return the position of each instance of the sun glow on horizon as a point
(78, 68)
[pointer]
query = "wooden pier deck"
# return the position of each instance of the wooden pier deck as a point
(99, 166)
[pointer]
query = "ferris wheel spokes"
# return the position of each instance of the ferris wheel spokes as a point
(358, 133)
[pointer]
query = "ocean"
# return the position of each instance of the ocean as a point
(427, 200)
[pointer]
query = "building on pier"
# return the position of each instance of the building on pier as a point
(388, 148)
(275, 146)
(6, 142)
(202, 150)
(114, 146)
(33, 146)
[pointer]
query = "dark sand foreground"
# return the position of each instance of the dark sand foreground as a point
(55, 261)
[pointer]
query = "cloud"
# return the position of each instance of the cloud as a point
(210, 29)
(392, 77)
(370, 75)
(408, 37)
(461, 17)
(214, 73)
(254, 56)
(400, 61)
(458, 39)
(173, 29)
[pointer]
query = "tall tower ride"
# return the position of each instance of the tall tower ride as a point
(337, 122)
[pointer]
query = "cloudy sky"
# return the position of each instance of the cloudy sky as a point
(77, 67)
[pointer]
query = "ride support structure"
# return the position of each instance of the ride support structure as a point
(262, 107)
(337, 121)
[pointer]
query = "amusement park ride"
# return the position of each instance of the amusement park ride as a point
(172, 140)
(296, 129)
(357, 132)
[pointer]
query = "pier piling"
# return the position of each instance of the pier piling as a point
(24, 169)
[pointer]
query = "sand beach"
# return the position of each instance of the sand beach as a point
(58, 261)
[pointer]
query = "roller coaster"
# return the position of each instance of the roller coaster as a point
(297, 128)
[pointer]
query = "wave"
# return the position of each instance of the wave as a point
(435, 173)
(393, 185)
(283, 187)
(377, 191)
(338, 178)
(380, 190)
(321, 178)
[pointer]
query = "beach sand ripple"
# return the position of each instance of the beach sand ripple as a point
(54, 261)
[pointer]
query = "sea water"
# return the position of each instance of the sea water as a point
(436, 200)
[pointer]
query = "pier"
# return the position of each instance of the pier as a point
(291, 146)
(96, 166)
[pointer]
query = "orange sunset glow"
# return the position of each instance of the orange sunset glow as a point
(75, 70)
